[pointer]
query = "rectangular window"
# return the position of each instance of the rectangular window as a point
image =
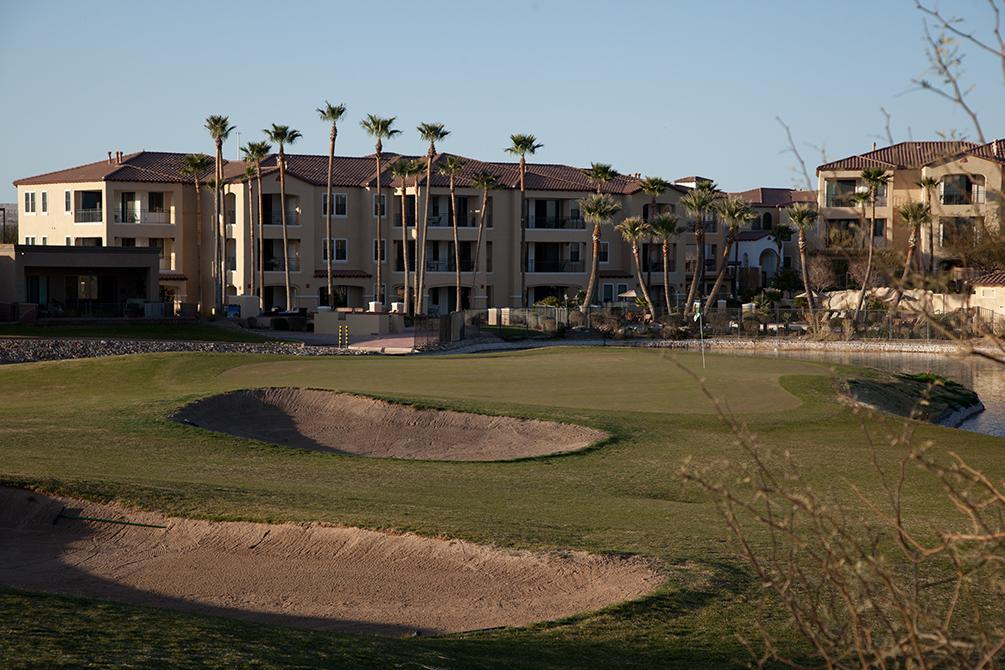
(127, 242)
(45, 241)
(622, 288)
(341, 250)
(574, 252)
(67, 201)
(879, 228)
(383, 204)
(29, 240)
(383, 250)
(45, 202)
(608, 293)
(155, 201)
(69, 241)
(157, 242)
(488, 257)
(341, 204)
(29, 202)
(605, 251)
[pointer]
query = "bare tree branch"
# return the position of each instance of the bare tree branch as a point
(950, 24)
(947, 63)
(794, 150)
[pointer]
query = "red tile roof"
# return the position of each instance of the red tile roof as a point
(994, 150)
(776, 197)
(150, 166)
(996, 278)
(342, 274)
(903, 155)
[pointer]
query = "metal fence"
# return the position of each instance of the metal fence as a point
(630, 322)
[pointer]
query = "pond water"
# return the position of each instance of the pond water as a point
(985, 377)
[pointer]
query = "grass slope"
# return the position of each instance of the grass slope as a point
(98, 429)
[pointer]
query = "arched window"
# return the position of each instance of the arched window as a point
(766, 221)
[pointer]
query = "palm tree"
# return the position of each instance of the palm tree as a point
(698, 202)
(632, 230)
(486, 181)
(654, 187)
(451, 168)
(928, 184)
(256, 152)
(914, 215)
(401, 170)
(283, 135)
(802, 217)
(249, 182)
(521, 145)
(735, 212)
(196, 165)
(330, 114)
(219, 129)
(379, 128)
(600, 174)
(874, 178)
(598, 210)
(430, 133)
(665, 229)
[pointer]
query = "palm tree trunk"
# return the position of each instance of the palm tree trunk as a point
(693, 293)
(410, 307)
(251, 226)
(379, 290)
(261, 239)
(223, 246)
(591, 285)
(806, 276)
(666, 273)
(868, 262)
(198, 236)
(216, 245)
(328, 221)
(912, 244)
(523, 235)
(286, 236)
(638, 277)
(931, 234)
(404, 244)
(221, 232)
(457, 247)
(478, 245)
(420, 252)
(721, 272)
(649, 242)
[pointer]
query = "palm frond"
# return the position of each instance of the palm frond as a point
(599, 208)
(331, 113)
(654, 186)
(523, 144)
(219, 127)
(802, 215)
(633, 229)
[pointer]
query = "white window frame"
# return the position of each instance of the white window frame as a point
(45, 202)
(29, 203)
(335, 196)
(29, 240)
(336, 240)
(67, 201)
(45, 240)
(383, 207)
(69, 241)
(383, 249)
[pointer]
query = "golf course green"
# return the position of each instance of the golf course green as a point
(100, 429)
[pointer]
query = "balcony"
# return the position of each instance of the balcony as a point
(555, 266)
(87, 216)
(467, 265)
(142, 216)
(274, 265)
(974, 197)
(463, 221)
(556, 223)
(276, 219)
(709, 266)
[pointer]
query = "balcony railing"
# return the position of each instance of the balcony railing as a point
(142, 216)
(555, 266)
(275, 265)
(87, 216)
(469, 220)
(276, 219)
(556, 222)
(689, 265)
(975, 197)
(848, 200)
(467, 265)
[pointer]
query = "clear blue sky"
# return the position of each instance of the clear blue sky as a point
(659, 87)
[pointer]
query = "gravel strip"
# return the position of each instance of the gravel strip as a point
(28, 350)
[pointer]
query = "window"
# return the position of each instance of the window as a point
(488, 257)
(622, 288)
(608, 293)
(766, 221)
(69, 241)
(383, 204)
(29, 203)
(879, 228)
(605, 252)
(67, 201)
(157, 242)
(29, 240)
(127, 242)
(155, 201)
(45, 241)
(574, 253)
(341, 249)
(45, 202)
(383, 250)
(341, 204)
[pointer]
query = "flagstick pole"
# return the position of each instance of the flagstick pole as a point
(701, 330)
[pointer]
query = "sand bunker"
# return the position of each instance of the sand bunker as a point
(312, 576)
(329, 421)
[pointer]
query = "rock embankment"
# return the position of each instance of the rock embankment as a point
(28, 350)
(925, 397)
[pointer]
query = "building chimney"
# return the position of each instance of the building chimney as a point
(873, 146)
(109, 157)
(118, 157)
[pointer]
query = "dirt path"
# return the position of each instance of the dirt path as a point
(312, 576)
(329, 421)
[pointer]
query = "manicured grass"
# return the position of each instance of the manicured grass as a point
(135, 331)
(99, 429)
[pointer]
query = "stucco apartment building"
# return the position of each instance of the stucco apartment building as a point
(143, 199)
(966, 203)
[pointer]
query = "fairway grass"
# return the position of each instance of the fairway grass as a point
(99, 429)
